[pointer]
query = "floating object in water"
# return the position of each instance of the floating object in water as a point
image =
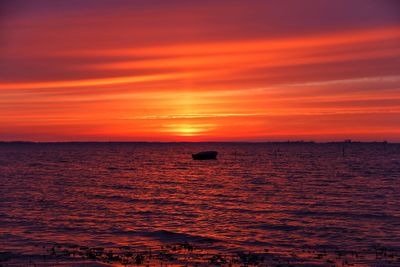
(205, 155)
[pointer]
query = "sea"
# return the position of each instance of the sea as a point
(261, 204)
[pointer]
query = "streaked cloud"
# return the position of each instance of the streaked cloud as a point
(219, 70)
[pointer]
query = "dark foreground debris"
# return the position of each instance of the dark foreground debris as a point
(187, 254)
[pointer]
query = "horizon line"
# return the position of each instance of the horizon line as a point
(347, 141)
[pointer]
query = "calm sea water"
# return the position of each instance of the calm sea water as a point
(304, 196)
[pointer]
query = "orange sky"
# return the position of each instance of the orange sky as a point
(190, 71)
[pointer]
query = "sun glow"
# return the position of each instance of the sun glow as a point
(187, 129)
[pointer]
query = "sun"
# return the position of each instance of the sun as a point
(185, 129)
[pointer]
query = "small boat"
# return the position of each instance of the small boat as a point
(205, 155)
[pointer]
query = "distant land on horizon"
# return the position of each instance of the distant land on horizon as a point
(194, 142)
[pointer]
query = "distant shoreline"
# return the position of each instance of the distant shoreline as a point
(201, 142)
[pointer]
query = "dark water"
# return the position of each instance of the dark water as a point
(305, 196)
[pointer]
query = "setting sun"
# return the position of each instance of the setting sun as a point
(188, 129)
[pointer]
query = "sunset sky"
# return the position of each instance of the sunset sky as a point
(210, 70)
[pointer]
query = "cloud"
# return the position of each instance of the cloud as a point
(103, 69)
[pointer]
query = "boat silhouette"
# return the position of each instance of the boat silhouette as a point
(205, 155)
